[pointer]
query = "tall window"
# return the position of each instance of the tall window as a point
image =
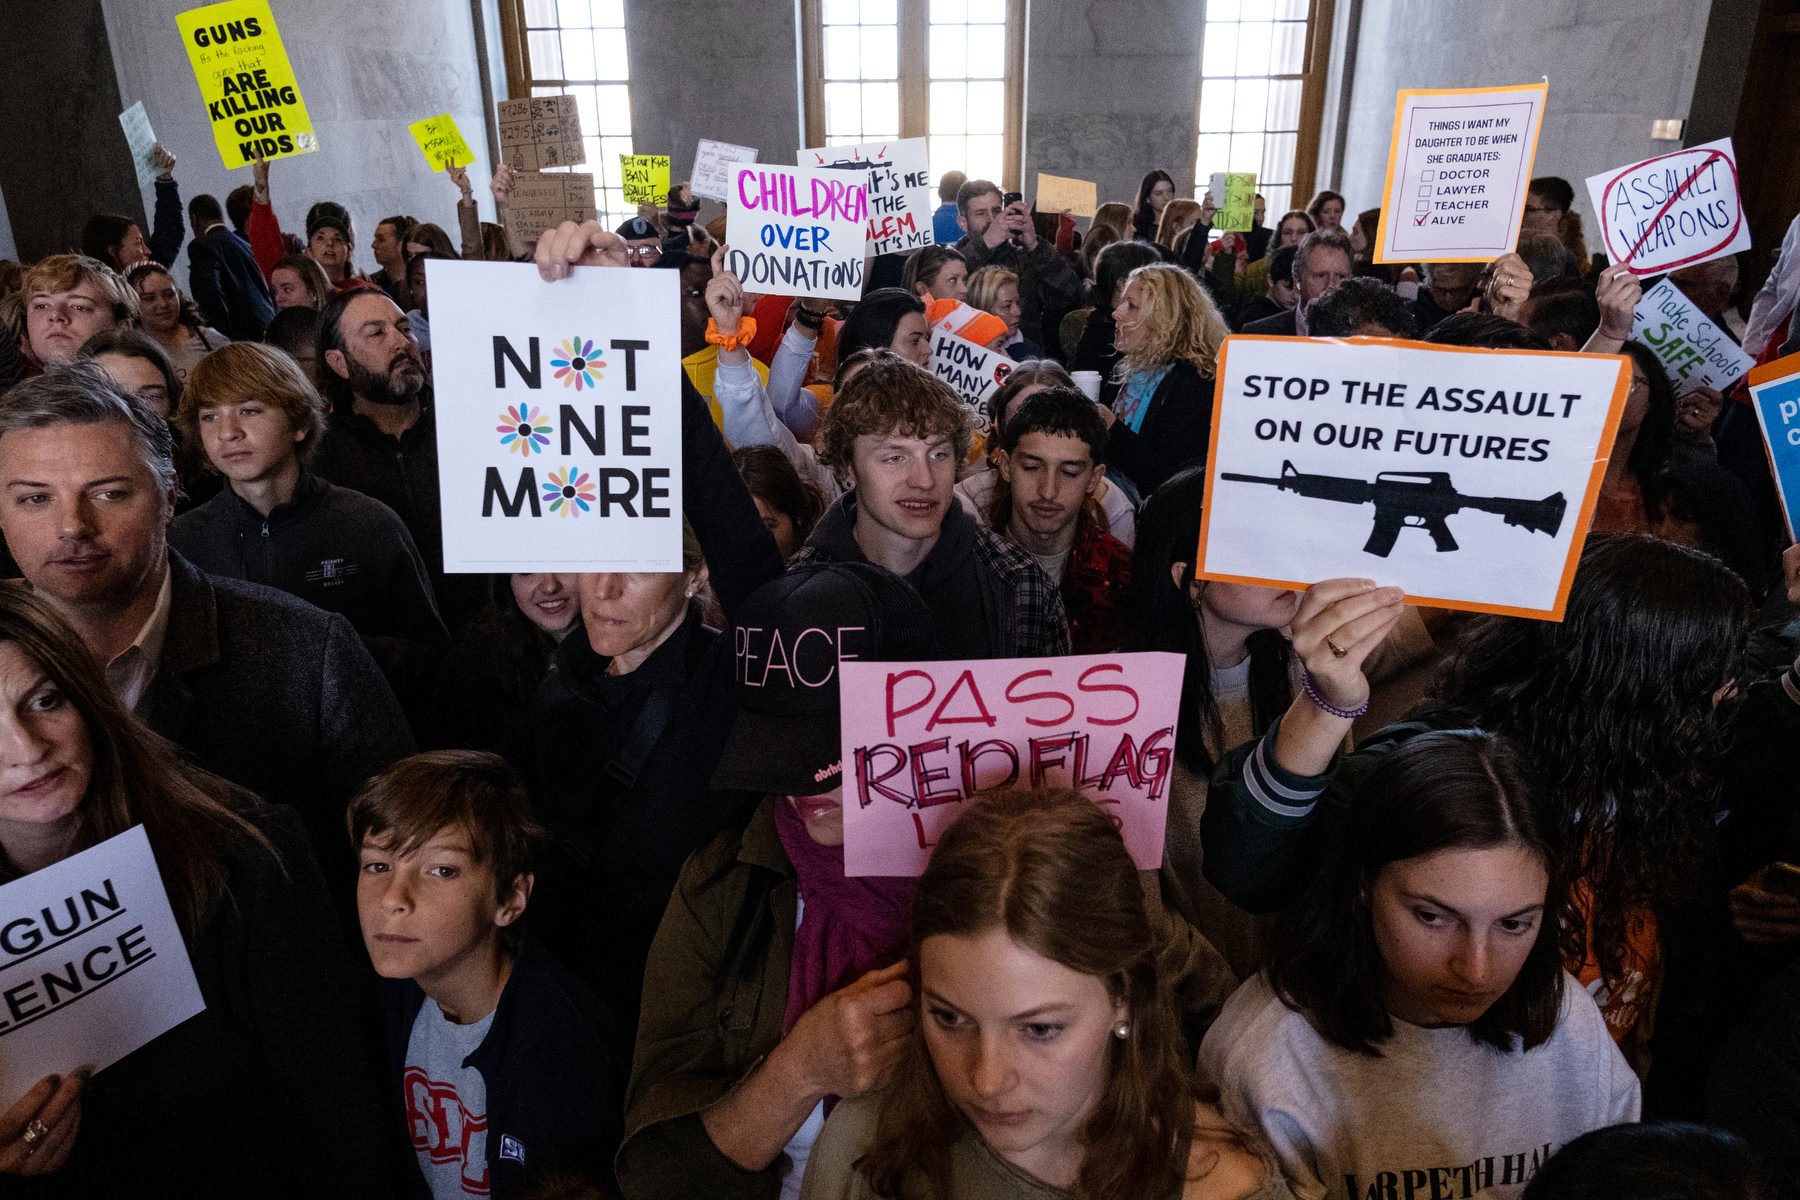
(577, 48)
(950, 71)
(1262, 76)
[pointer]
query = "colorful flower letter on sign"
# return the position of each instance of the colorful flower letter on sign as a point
(246, 82)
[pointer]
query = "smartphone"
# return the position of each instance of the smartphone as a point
(1783, 877)
(1011, 198)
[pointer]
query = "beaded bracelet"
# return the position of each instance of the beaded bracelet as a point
(1312, 693)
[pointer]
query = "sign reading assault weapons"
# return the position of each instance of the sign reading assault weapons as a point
(1466, 477)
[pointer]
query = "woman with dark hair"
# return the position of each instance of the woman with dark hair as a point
(1615, 709)
(277, 1052)
(166, 314)
(788, 504)
(1705, 506)
(1550, 208)
(888, 319)
(1153, 194)
(1327, 210)
(1414, 1020)
(1047, 1057)
(1669, 1160)
(1641, 448)
(140, 367)
(1094, 348)
(937, 273)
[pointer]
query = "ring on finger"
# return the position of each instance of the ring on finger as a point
(1337, 651)
(34, 1133)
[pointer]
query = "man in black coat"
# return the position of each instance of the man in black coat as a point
(223, 275)
(1321, 263)
(264, 689)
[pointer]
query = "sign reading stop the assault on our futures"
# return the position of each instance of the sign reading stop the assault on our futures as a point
(246, 81)
(900, 192)
(1696, 352)
(1467, 477)
(1457, 173)
(921, 739)
(1775, 393)
(92, 964)
(1673, 210)
(798, 231)
(558, 418)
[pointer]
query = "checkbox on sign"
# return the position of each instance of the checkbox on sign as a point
(1426, 190)
(1423, 206)
(1427, 176)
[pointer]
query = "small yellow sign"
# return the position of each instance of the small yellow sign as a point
(442, 142)
(646, 178)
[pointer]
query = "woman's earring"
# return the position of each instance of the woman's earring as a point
(1121, 1030)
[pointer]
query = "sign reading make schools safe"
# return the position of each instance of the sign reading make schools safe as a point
(798, 231)
(246, 82)
(1691, 347)
(92, 964)
(1672, 211)
(1457, 173)
(1466, 477)
(921, 740)
(558, 418)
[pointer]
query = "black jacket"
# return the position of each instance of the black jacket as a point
(338, 550)
(551, 1065)
(1174, 433)
(1283, 324)
(1049, 285)
(228, 287)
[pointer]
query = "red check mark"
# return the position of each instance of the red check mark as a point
(1421, 220)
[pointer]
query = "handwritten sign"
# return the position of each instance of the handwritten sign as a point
(142, 140)
(798, 231)
(712, 167)
(558, 417)
(246, 82)
(1235, 194)
(441, 142)
(1055, 193)
(540, 132)
(922, 740)
(1673, 210)
(1457, 173)
(541, 202)
(1696, 352)
(1775, 394)
(901, 200)
(974, 371)
(646, 178)
(1467, 477)
(92, 964)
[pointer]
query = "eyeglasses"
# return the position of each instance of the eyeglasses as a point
(643, 251)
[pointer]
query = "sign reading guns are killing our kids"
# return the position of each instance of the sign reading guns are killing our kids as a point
(1775, 394)
(1696, 352)
(1457, 173)
(921, 739)
(246, 81)
(1673, 210)
(900, 191)
(1466, 477)
(558, 418)
(712, 167)
(798, 230)
(92, 964)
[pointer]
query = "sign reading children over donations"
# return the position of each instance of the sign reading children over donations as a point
(558, 418)
(920, 740)
(1671, 211)
(1457, 173)
(246, 82)
(797, 231)
(92, 964)
(1466, 477)
(901, 199)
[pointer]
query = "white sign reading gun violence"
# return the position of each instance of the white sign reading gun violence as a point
(1467, 477)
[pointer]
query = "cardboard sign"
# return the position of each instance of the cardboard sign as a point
(541, 202)
(1673, 210)
(441, 142)
(1466, 477)
(921, 740)
(92, 964)
(712, 167)
(246, 82)
(1695, 352)
(558, 417)
(1775, 394)
(901, 199)
(974, 371)
(540, 132)
(1457, 173)
(1081, 197)
(1235, 194)
(796, 231)
(646, 178)
(142, 140)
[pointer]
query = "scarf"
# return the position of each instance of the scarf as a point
(848, 926)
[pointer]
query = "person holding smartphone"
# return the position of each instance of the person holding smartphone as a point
(1000, 233)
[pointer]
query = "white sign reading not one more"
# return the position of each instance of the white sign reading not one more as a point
(1466, 477)
(901, 198)
(92, 964)
(558, 418)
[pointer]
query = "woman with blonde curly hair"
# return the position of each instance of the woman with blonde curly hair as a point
(996, 290)
(1168, 333)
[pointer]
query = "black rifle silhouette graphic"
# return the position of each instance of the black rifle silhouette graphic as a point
(1412, 499)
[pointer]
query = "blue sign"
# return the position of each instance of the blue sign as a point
(1775, 391)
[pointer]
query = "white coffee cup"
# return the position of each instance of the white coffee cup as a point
(1089, 383)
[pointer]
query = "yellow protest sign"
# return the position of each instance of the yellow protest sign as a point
(1235, 194)
(246, 82)
(646, 178)
(1079, 196)
(442, 142)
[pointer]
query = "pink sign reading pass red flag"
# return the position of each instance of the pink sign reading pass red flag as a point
(921, 739)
